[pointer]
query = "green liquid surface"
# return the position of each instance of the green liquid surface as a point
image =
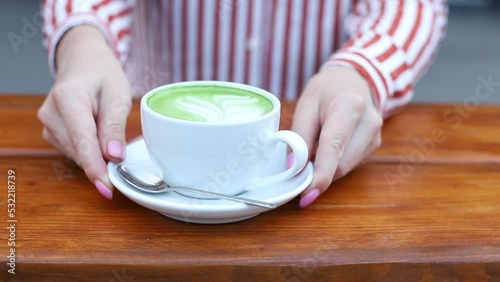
(209, 103)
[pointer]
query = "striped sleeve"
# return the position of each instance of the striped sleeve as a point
(111, 17)
(391, 43)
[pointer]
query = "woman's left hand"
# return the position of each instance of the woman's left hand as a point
(336, 113)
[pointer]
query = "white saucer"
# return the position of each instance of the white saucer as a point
(208, 211)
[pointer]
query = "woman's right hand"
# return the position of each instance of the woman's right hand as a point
(85, 113)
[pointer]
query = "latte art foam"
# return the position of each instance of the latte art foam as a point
(219, 108)
(210, 104)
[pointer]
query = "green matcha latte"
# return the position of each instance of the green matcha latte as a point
(211, 104)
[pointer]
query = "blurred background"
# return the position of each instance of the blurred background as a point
(471, 50)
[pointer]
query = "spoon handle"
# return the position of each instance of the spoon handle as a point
(227, 197)
(158, 187)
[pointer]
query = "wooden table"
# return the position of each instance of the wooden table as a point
(425, 207)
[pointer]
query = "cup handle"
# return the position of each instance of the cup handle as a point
(300, 151)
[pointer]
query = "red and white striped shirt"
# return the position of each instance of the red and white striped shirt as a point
(273, 44)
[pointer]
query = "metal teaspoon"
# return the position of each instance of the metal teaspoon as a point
(145, 181)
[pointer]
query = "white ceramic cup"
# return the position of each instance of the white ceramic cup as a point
(222, 157)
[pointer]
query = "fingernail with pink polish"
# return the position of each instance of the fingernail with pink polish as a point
(105, 191)
(309, 198)
(289, 160)
(115, 149)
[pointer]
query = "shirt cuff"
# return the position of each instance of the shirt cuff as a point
(72, 21)
(379, 83)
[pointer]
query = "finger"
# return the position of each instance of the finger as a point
(361, 160)
(61, 142)
(341, 120)
(49, 137)
(56, 134)
(306, 122)
(54, 130)
(365, 139)
(82, 132)
(114, 109)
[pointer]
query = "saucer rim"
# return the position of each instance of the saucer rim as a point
(211, 212)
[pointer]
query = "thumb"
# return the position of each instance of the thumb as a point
(306, 121)
(114, 108)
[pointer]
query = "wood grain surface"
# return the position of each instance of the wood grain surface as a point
(420, 133)
(21, 130)
(440, 216)
(442, 133)
(390, 220)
